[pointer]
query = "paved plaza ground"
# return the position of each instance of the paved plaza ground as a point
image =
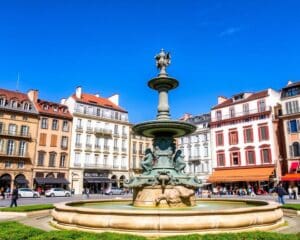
(42, 222)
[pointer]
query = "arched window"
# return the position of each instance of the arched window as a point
(2, 101)
(296, 149)
(14, 103)
(26, 106)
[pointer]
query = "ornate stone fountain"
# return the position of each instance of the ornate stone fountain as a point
(163, 182)
(164, 201)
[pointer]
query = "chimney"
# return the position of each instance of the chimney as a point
(78, 92)
(63, 101)
(115, 99)
(221, 99)
(186, 116)
(289, 82)
(33, 95)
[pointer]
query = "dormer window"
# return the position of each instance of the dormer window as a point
(14, 104)
(238, 97)
(26, 106)
(2, 101)
(45, 107)
(55, 108)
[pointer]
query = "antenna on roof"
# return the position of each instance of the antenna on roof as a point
(18, 80)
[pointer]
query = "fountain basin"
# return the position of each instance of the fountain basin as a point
(249, 216)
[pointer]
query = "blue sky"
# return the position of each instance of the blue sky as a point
(107, 47)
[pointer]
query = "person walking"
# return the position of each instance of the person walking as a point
(290, 191)
(295, 192)
(280, 192)
(14, 197)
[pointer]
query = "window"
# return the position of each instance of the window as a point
(266, 155)
(106, 143)
(44, 123)
(261, 104)
(205, 151)
(123, 163)
(88, 159)
(2, 101)
(65, 126)
(24, 130)
(218, 115)
(219, 139)
(141, 148)
(1, 127)
(62, 160)
(10, 147)
(7, 164)
(88, 140)
(235, 158)
(250, 157)
(64, 142)
(43, 138)
(54, 124)
(21, 164)
(97, 142)
(263, 133)
(134, 147)
(292, 107)
(12, 129)
(52, 157)
(41, 158)
(89, 125)
(78, 139)
(248, 135)
(291, 92)
(115, 143)
(53, 142)
(116, 129)
(77, 159)
(231, 112)
(22, 148)
(233, 137)
(293, 126)
(221, 159)
(246, 108)
(105, 160)
(115, 162)
(79, 123)
(1, 144)
(296, 149)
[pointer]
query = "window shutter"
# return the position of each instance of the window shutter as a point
(53, 140)
(288, 126)
(291, 150)
(298, 125)
(43, 137)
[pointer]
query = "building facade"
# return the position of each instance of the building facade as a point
(290, 98)
(18, 133)
(244, 132)
(138, 145)
(100, 142)
(51, 165)
(197, 147)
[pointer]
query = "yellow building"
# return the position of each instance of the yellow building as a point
(18, 132)
(51, 165)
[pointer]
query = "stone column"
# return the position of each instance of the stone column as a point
(163, 105)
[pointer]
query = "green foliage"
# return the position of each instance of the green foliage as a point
(18, 231)
(27, 208)
(292, 206)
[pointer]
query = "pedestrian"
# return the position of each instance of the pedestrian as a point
(295, 192)
(280, 192)
(14, 197)
(290, 191)
(87, 192)
(2, 193)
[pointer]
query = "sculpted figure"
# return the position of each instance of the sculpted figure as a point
(179, 163)
(147, 162)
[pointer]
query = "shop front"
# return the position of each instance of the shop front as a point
(97, 181)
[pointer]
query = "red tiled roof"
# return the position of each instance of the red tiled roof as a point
(103, 102)
(14, 94)
(230, 101)
(50, 111)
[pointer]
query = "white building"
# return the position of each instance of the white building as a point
(244, 132)
(196, 147)
(100, 142)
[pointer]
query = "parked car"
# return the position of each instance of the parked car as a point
(115, 191)
(27, 192)
(57, 192)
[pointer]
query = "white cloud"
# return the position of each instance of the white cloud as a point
(229, 31)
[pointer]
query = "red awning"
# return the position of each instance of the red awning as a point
(291, 177)
(294, 166)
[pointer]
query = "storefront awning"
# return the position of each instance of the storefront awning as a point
(21, 181)
(294, 166)
(43, 181)
(98, 180)
(241, 175)
(291, 177)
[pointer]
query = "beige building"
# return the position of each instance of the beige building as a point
(53, 144)
(18, 132)
(138, 145)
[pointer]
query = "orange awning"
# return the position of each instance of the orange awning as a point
(291, 177)
(241, 175)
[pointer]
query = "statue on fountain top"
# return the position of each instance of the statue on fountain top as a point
(163, 59)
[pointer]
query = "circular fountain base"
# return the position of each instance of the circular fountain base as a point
(154, 222)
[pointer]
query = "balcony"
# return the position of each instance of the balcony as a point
(116, 134)
(124, 135)
(97, 148)
(19, 134)
(106, 148)
(99, 115)
(141, 152)
(124, 150)
(88, 146)
(123, 167)
(14, 155)
(102, 131)
(98, 166)
(89, 130)
(115, 167)
(116, 149)
(79, 128)
(240, 114)
(64, 147)
(194, 158)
